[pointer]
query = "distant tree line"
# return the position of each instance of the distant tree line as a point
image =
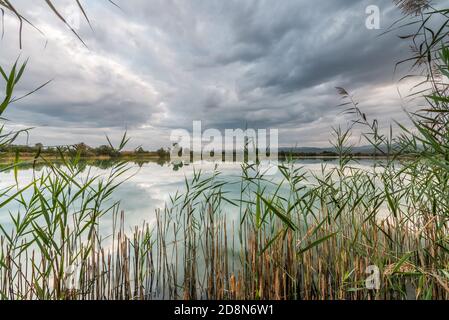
(82, 149)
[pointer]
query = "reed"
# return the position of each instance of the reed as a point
(306, 236)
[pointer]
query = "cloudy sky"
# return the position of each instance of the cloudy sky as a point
(157, 65)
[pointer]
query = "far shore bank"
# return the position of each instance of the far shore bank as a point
(10, 158)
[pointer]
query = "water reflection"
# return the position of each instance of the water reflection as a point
(150, 182)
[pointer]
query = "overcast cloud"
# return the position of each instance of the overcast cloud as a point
(157, 65)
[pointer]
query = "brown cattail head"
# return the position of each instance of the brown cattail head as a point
(412, 7)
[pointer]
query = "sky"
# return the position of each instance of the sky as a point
(154, 66)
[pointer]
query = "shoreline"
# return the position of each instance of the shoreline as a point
(9, 159)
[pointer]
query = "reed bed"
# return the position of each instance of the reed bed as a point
(325, 235)
(305, 237)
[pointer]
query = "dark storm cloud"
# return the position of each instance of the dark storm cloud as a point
(160, 64)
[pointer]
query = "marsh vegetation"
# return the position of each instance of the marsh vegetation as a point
(307, 235)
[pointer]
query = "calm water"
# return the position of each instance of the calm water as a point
(150, 184)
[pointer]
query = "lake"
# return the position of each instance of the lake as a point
(148, 185)
(198, 239)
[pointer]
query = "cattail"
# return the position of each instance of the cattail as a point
(412, 7)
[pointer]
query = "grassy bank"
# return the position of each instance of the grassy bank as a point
(26, 157)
